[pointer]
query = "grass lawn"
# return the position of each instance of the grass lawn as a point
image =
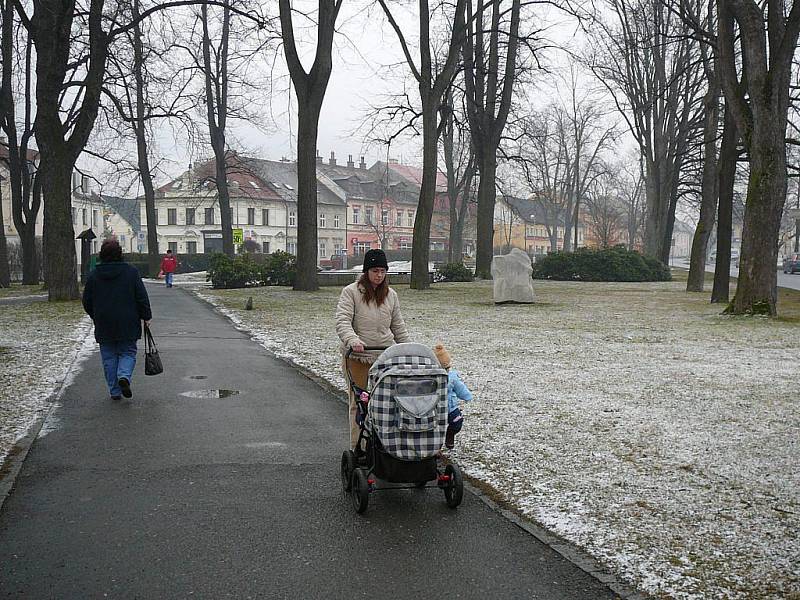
(633, 419)
(17, 289)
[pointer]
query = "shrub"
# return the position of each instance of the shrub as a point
(453, 272)
(279, 268)
(238, 272)
(607, 264)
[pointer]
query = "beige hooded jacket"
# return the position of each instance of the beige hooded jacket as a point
(357, 321)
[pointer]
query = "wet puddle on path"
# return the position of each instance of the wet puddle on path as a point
(210, 393)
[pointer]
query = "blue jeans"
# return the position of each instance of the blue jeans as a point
(119, 359)
(169, 279)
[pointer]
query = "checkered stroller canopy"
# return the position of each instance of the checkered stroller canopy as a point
(408, 401)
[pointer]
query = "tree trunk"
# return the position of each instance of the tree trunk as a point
(420, 253)
(727, 178)
(708, 203)
(756, 291)
(143, 160)
(306, 279)
(59, 242)
(5, 271)
(485, 221)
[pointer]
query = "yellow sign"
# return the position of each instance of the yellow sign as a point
(238, 236)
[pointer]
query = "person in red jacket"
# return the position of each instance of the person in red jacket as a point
(168, 266)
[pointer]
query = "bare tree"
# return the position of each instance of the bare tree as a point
(459, 164)
(726, 179)
(25, 189)
(759, 106)
(310, 88)
(709, 178)
(432, 87)
(605, 210)
(71, 52)
(215, 73)
(489, 92)
(631, 189)
(129, 87)
(648, 61)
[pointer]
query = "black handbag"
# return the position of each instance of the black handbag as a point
(152, 361)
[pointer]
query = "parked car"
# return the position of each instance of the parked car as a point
(791, 263)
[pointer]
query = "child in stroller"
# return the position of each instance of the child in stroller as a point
(402, 417)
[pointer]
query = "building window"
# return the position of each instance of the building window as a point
(74, 212)
(368, 215)
(190, 216)
(323, 249)
(361, 248)
(322, 220)
(209, 216)
(292, 219)
(356, 215)
(173, 246)
(291, 247)
(265, 247)
(399, 218)
(337, 249)
(95, 222)
(84, 216)
(410, 216)
(251, 216)
(231, 213)
(384, 216)
(155, 211)
(336, 222)
(172, 216)
(405, 244)
(191, 247)
(265, 217)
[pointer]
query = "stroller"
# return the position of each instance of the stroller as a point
(402, 419)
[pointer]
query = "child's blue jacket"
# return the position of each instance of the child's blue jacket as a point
(456, 389)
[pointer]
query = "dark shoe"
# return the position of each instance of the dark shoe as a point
(115, 397)
(125, 386)
(449, 438)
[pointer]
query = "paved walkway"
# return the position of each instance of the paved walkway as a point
(171, 495)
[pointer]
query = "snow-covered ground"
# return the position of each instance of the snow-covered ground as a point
(632, 419)
(42, 347)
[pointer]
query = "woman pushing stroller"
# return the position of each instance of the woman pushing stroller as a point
(368, 314)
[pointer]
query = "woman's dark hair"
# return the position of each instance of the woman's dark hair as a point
(110, 251)
(378, 294)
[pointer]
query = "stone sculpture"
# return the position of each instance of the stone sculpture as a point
(512, 277)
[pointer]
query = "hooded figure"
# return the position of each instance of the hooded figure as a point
(117, 302)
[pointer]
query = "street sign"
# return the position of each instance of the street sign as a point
(238, 236)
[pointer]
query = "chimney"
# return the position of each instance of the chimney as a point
(332, 161)
(350, 161)
(319, 158)
(362, 164)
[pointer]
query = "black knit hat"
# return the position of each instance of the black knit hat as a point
(375, 258)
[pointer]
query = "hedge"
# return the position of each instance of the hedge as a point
(607, 264)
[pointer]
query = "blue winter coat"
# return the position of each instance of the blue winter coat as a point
(456, 389)
(116, 300)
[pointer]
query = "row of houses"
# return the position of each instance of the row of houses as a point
(359, 207)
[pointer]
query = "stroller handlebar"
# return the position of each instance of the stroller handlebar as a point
(366, 348)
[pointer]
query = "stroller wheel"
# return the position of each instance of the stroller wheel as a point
(454, 488)
(359, 490)
(348, 464)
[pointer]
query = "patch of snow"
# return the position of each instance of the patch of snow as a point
(631, 419)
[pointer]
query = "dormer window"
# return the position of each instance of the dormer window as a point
(255, 185)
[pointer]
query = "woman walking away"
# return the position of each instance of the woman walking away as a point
(368, 314)
(115, 299)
